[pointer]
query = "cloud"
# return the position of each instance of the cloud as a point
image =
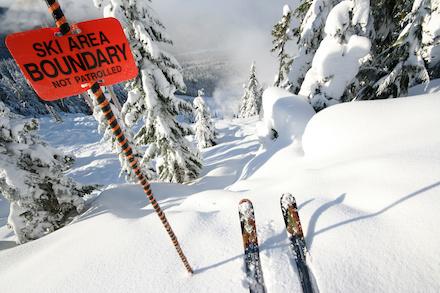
(241, 28)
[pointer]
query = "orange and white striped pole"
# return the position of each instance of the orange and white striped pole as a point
(58, 15)
(104, 105)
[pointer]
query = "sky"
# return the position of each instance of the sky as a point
(239, 28)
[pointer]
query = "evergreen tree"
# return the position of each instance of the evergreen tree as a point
(339, 56)
(108, 137)
(300, 14)
(20, 98)
(204, 126)
(431, 40)
(282, 34)
(151, 95)
(252, 99)
(396, 68)
(387, 16)
(310, 34)
(32, 178)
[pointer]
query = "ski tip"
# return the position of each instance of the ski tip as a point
(288, 198)
(244, 206)
(245, 200)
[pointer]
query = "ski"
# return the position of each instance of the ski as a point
(297, 242)
(254, 272)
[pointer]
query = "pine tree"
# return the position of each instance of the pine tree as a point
(309, 34)
(109, 138)
(396, 68)
(252, 98)
(282, 34)
(204, 126)
(387, 16)
(431, 40)
(20, 98)
(340, 53)
(151, 95)
(32, 178)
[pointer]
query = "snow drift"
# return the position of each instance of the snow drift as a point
(285, 113)
(369, 212)
(368, 188)
(373, 127)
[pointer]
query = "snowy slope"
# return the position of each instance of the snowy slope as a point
(367, 188)
(369, 185)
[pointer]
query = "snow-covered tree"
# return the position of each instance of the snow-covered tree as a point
(431, 40)
(337, 61)
(151, 95)
(204, 126)
(310, 34)
(20, 98)
(32, 178)
(392, 71)
(108, 137)
(282, 34)
(251, 101)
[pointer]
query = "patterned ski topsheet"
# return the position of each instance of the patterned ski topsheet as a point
(254, 272)
(297, 241)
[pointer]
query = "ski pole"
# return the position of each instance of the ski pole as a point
(105, 107)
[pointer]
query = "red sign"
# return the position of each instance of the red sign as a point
(59, 66)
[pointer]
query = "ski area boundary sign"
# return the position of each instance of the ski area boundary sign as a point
(60, 66)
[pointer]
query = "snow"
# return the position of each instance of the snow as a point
(432, 87)
(285, 113)
(338, 19)
(361, 12)
(327, 134)
(345, 46)
(366, 186)
(336, 64)
(431, 31)
(286, 10)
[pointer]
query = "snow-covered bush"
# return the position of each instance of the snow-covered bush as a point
(346, 130)
(401, 65)
(282, 34)
(204, 126)
(32, 178)
(337, 61)
(285, 115)
(403, 51)
(310, 34)
(151, 95)
(250, 104)
(431, 39)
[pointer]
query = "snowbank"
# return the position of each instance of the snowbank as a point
(368, 191)
(285, 113)
(370, 219)
(371, 127)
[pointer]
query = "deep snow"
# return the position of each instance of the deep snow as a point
(366, 182)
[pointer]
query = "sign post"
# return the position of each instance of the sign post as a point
(60, 62)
